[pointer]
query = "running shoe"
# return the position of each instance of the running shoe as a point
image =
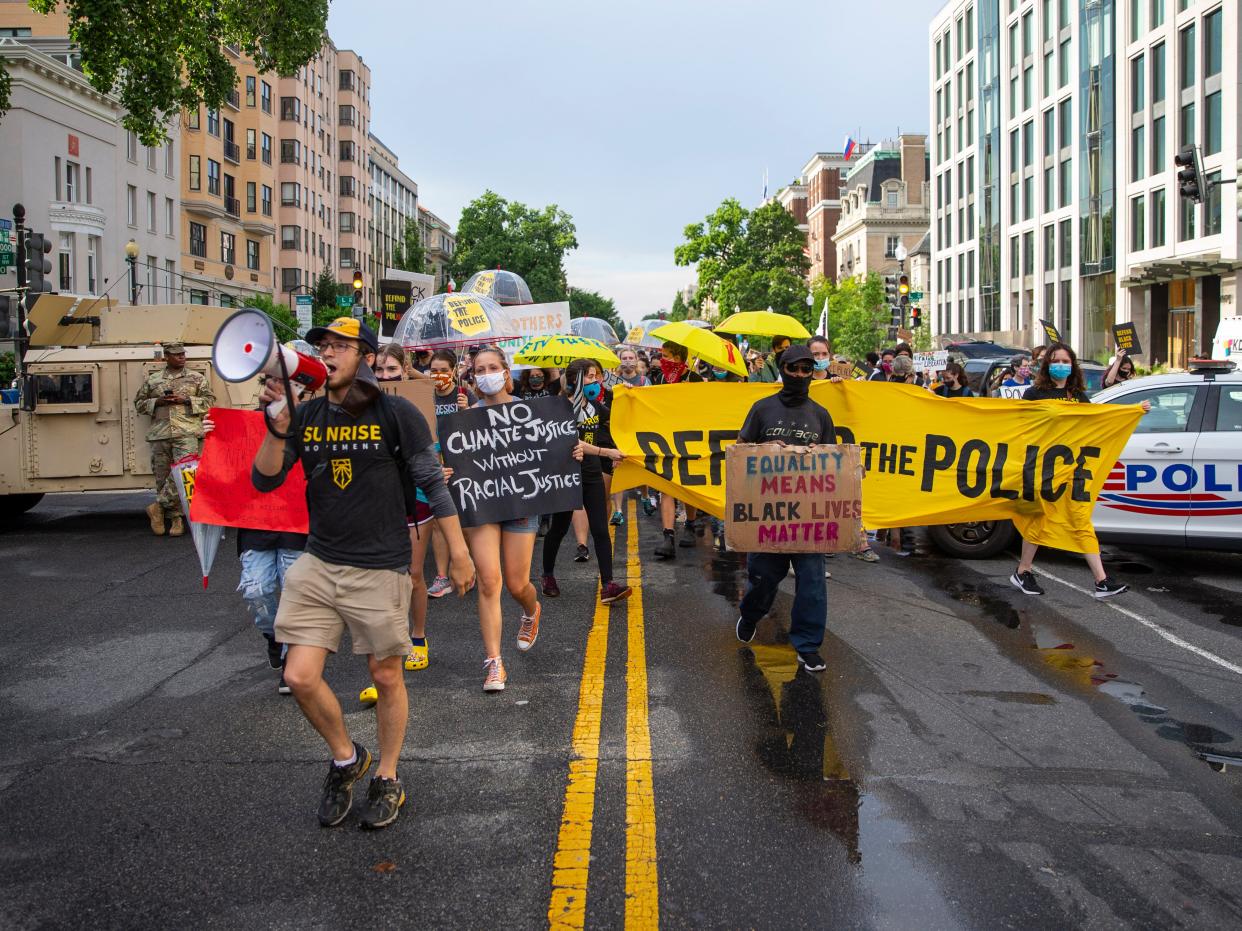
(812, 662)
(666, 549)
(369, 695)
(617, 519)
(282, 687)
(383, 803)
(494, 675)
(649, 506)
(867, 555)
(746, 629)
(338, 787)
(550, 588)
(439, 587)
(582, 554)
(1107, 588)
(274, 652)
(614, 592)
(529, 631)
(419, 657)
(1025, 582)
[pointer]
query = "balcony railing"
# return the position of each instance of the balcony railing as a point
(232, 152)
(233, 206)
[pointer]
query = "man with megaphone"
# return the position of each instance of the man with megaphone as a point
(363, 452)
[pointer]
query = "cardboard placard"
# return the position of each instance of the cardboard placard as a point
(793, 499)
(931, 361)
(512, 460)
(1126, 337)
(420, 392)
(841, 369)
(1050, 331)
(905, 335)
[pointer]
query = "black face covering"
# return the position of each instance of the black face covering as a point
(795, 388)
(779, 353)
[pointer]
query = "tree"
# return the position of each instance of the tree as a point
(159, 57)
(283, 319)
(408, 255)
(496, 233)
(680, 310)
(325, 290)
(593, 304)
(856, 314)
(748, 259)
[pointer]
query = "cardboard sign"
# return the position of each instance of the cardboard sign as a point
(860, 373)
(905, 335)
(512, 460)
(841, 369)
(1126, 337)
(535, 320)
(1012, 392)
(1053, 334)
(395, 299)
(931, 361)
(793, 499)
(420, 392)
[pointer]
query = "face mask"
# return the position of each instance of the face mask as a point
(628, 365)
(592, 391)
(779, 353)
(719, 375)
(490, 383)
(672, 369)
(794, 388)
(886, 367)
(535, 381)
(821, 365)
(1060, 370)
(443, 380)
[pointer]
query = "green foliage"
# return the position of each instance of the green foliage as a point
(496, 233)
(283, 319)
(856, 314)
(680, 309)
(6, 88)
(160, 57)
(408, 255)
(325, 290)
(593, 304)
(8, 369)
(748, 260)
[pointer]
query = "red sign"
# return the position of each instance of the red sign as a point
(223, 492)
(73, 144)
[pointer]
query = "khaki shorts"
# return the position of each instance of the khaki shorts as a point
(321, 599)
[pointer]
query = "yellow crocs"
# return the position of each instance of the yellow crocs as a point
(418, 657)
(368, 696)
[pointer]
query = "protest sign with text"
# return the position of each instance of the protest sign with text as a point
(1127, 338)
(931, 361)
(532, 320)
(512, 460)
(793, 499)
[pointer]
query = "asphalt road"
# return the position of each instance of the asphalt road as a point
(972, 757)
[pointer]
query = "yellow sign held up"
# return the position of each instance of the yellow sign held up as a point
(466, 315)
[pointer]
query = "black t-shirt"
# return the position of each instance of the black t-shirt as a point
(267, 540)
(597, 431)
(804, 424)
(1054, 394)
(354, 493)
(961, 391)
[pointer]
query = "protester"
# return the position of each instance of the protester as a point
(538, 383)
(421, 361)
(1120, 369)
(1061, 379)
(953, 382)
(390, 363)
(821, 353)
(628, 373)
(449, 399)
(1037, 356)
(901, 370)
(789, 416)
(885, 368)
(584, 386)
(673, 370)
(354, 572)
(754, 364)
(872, 363)
(1021, 373)
(771, 369)
(177, 399)
(502, 551)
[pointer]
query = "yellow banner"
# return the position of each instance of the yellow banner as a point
(929, 460)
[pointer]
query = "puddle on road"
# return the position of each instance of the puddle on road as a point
(1223, 606)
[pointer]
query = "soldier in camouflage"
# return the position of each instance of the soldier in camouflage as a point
(177, 400)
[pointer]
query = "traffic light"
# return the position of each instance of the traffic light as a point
(1189, 177)
(890, 288)
(903, 285)
(358, 286)
(916, 317)
(37, 266)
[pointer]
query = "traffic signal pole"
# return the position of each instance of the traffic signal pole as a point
(22, 340)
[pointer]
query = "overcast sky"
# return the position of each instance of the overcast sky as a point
(636, 118)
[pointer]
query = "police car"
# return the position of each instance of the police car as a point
(1179, 479)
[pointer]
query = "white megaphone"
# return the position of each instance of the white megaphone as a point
(246, 346)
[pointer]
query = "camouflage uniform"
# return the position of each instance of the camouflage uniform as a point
(176, 429)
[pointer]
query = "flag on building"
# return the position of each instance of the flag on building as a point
(849, 147)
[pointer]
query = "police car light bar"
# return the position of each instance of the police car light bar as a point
(1210, 368)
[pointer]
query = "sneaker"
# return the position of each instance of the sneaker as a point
(867, 555)
(688, 536)
(384, 800)
(746, 629)
(419, 657)
(282, 687)
(1025, 582)
(494, 675)
(617, 519)
(550, 588)
(369, 695)
(903, 552)
(439, 587)
(812, 662)
(274, 652)
(666, 550)
(649, 506)
(827, 574)
(529, 631)
(614, 592)
(1107, 588)
(338, 787)
(582, 554)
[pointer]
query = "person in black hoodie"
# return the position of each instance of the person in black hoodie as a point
(792, 418)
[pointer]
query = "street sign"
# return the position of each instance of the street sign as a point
(916, 295)
(305, 312)
(344, 300)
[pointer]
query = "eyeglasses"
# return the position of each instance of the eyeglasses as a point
(335, 346)
(800, 368)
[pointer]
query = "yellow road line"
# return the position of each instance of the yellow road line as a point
(571, 865)
(642, 885)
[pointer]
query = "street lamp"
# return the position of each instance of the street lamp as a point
(452, 286)
(131, 256)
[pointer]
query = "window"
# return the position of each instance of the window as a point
(1157, 13)
(1136, 19)
(169, 217)
(291, 109)
(1186, 57)
(252, 197)
(1157, 73)
(151, 211)
(1138, 71)
(197, 296)
(131, 147)
(290, 194)
(291, 237)
(290, 278)
(131, 205)
(72, 191)
(213, 177)
(1067, 243)
(170, 158)
(1050, 189)
(1063, 64)
(65, 262)
(290, 152)
(1157, 145)
(1028, 29)
(1028, 253)
(1015, 268)
(970, 28)
(1229, 409)
(191, 119)
(252, 254)
(1212, 43)
(346, 186)
(198, 240)
(1138, 223)
(347, 222)
(890, 246)
(347, 258)
(170, 275)
(266, 202)
(1013, 45)
(150, 158)
(1050, 248)
(250, 81)
(1048, 86)
(1050, 132)
(196, 178)
(1028, 143)
(252, 145)
(266, 149)
(1170, 408)
(1138, 153)
(1028, 197)
(347, 151)
(1211, 124)
(1186, 126)
(347, 77)
(348, 115)
(1027, 91)
(92, 264)
(1065, 117)
(1211, 205)
(890, 199)
(213, 122)
(1158, 220)
(1067, 182)
(228, 248)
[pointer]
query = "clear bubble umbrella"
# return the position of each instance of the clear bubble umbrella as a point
(206, 537)
(450, 321)
(594, 328)
(504, 287)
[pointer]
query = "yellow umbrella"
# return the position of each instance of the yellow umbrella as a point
(704, 344)
(763, 323)
(559, 349)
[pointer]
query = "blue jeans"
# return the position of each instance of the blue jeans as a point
(262, 577)
(764, 573)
